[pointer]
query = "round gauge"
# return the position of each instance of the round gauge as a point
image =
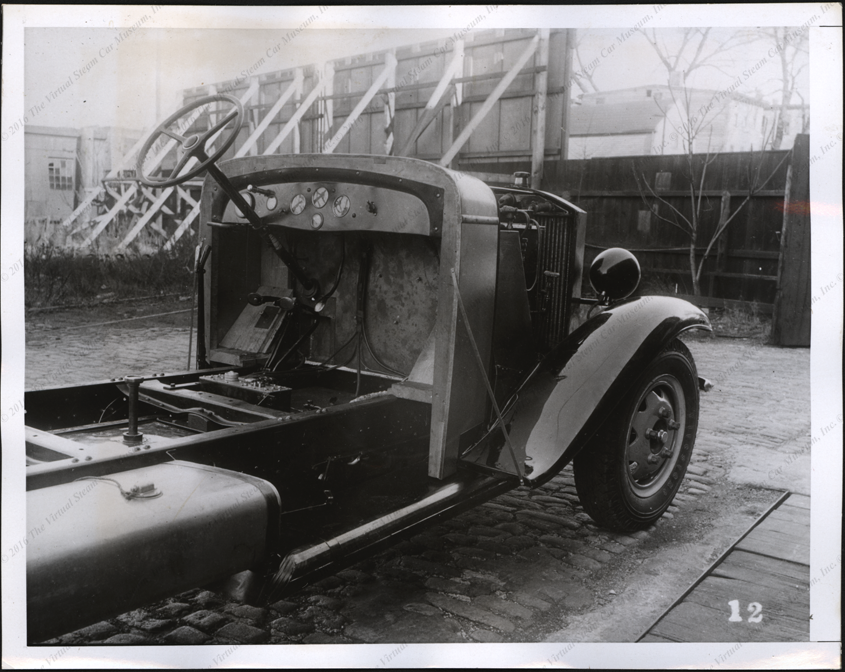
(297, 205)
(320, 197)
(316, 220)
(272, 203)
(341, 206)
(250, 201)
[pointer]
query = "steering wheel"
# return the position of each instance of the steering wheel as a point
(193, 145)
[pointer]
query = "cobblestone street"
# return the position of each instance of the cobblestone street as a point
(529, 565)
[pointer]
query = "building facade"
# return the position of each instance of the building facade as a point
(62, 167)
(665, 120)
(52, 173)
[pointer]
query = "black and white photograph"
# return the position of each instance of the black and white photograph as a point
(422, 336)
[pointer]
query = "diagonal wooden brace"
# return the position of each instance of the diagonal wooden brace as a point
(438, 100)
(294, 86)
(389, 69)
(494, 96)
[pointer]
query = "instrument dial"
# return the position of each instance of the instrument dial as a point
(341, 206)
(320, 197)
(316, 220)
(272, 203)
(250, 199)
(297, 205)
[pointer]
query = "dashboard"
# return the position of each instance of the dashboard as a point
(334, 206)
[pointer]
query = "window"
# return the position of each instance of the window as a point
(663, 180)
(599, 101)
(60, 174)
(648, 93)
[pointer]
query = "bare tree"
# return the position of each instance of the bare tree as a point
(682, 52)
(694, 48)
(584, 75)
(686, 50)
(792, 48)
(695, 179)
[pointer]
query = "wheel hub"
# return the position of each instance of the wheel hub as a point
(653, 435)
(190, 142)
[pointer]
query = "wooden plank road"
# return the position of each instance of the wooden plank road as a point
(759, 591)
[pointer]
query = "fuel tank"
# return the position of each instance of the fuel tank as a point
(96, 552)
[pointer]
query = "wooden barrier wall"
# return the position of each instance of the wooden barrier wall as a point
(792, 310)
(468, 67)
(742, 267)
(479, 95)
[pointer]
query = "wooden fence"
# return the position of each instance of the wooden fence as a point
(792, 313)
(625, 211)
(763, 256)
(741, 267)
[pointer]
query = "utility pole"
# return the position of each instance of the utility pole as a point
(567, 94)
(158, 117)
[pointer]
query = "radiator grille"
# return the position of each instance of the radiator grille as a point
(557, 276)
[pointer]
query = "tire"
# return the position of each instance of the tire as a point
(628, 474)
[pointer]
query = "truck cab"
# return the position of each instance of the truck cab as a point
(382, 342)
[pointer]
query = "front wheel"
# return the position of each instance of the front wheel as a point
(628, 474)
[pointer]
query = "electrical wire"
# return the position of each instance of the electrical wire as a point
(337, 366)
(358, 367)
(127, 319)
(339, 271)
(286, 320)
(360, 336)
(337, 352)
(148, 491)
(102, 415)
(387, 368)
(299, 342)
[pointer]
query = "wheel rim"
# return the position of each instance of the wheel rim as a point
(655, 434)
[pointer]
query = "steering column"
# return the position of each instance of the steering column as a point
(195, 159)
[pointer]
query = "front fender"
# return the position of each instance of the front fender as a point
(576, 386)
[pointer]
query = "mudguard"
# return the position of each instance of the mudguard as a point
(574, 388)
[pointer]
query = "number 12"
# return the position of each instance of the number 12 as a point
(755, 607)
